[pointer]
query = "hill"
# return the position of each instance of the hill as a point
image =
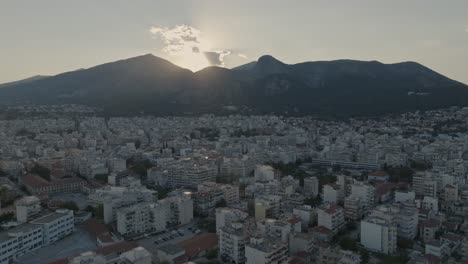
(340, 88)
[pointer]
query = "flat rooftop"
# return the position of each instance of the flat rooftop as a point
(49, 218)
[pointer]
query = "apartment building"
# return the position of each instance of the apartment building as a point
(26, 208)
(331, 216)
(264, 250)
(141, 218)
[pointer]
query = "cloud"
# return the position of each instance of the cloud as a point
(216, 57)
(178, 38)
(466, 29)
(184, 41)
(242, 55)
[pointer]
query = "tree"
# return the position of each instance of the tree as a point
(137, 144)
(7, 217)
(7, 197)
(405, 243)
(221, 203)
(102, 178)
(99, 212)
(70, 205)
(212, 254)
(2, 173)
(42, 171)
(347, 243)
(364, 256)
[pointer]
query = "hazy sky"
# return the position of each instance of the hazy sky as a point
(52, 36)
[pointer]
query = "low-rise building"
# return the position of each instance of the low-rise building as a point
(56, 226)
(19, 241)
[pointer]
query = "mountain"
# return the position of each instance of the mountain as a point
(23, 81)
(340, 88)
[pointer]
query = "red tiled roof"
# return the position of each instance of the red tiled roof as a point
(294, 220)
(95, 228)
(116, 248)
(378, 174)
(105, 238)
(321, 229)
(432, 259)
(199, 243)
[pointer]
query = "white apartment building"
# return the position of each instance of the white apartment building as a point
(225, 216)
(26, 208)
(179, 209)
(307, 213)
(267, 206)
(331, 216)
(232, 241)
(353, 208)
(262, 250)
(231, 193)
(19, 241)
(141, 218)
(332, 193)
(404, 196)
(379, 235)
(424, 184)
(311, 187)
(56, 226)
(190, 175)
(366, 194)
(112, 198)
(430, 203)
(275, 229)
(404, 215)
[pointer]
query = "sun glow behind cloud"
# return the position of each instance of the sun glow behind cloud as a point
(186, 46)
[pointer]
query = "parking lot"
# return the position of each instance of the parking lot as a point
(73, 244)
(168, 237)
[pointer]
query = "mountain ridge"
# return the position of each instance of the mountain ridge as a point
(323, 88)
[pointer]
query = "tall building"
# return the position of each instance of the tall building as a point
(379, 235)
(232, 241)
(353, 208)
